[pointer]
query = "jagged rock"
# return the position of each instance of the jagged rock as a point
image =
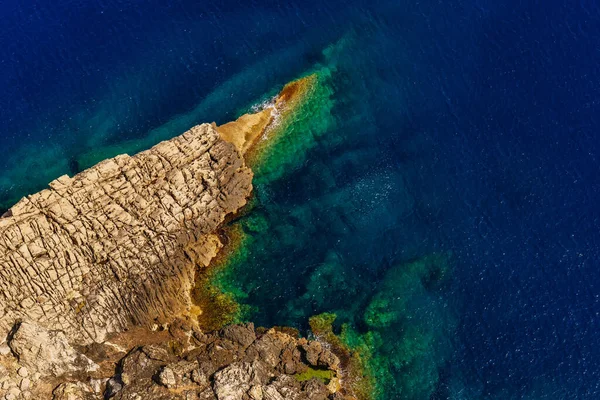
(272, 346)
(318, 356)
(284, 387)
(199, 378)
(116, 245)
(328, 359)
(243, 335)
(256, 392)
(157, 353)
(235, 369)
(96, 385)
(73, 391)
(312, 352)
(271, 393)
(166, 377)
(125, 378)
(47, 352)
(115, 249)
(232, 382)
(113, 386)
(316, 390)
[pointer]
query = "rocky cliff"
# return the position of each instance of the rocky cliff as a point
(181, 363)
(97, 271)
(117, 244)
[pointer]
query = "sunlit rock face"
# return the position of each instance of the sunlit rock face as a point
(117, 244)
(98, 267)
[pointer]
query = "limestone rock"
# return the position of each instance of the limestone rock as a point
(117, 245)
(254, 366)
(199, 378)
(73, 391)
(4, 350)
(166, 377)
(312, 352)
(115, 249)
(25, 384)
(256, 392)
(316, 355)
(234, 381)
(113, 386)
(46, 352)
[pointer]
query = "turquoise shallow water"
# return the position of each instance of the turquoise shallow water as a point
(336, 230)
(447, 207)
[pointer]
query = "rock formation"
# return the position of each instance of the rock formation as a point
(117, 244)
(235, 363)
(96, 275)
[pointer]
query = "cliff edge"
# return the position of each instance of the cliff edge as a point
(117, 244)
(97, 273)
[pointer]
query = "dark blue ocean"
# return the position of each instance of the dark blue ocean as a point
(468, 128)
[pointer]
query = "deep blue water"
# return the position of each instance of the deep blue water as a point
(469, 127)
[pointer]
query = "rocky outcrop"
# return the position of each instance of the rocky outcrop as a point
(97, 271)
(47, 353)
(117, 244)
(236, 363)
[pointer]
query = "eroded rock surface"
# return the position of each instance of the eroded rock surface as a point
(96, 274)
(48, 353)
(116, 245)
(236, 363)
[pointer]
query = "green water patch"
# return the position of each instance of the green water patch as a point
(218, 303)
(333, 231)
(288, 142)
(396, 332)
(397, 344)
(410, 329)
(354, 352)
(296, 131)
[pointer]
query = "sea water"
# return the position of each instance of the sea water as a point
(441, 196)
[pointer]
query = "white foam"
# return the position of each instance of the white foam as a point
(275, 114)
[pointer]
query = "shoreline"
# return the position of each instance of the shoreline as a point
(248, 135)
(199, 235)
(255, 145)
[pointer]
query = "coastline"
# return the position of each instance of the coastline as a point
(248, 134)
(194, 303)
(213, 289)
